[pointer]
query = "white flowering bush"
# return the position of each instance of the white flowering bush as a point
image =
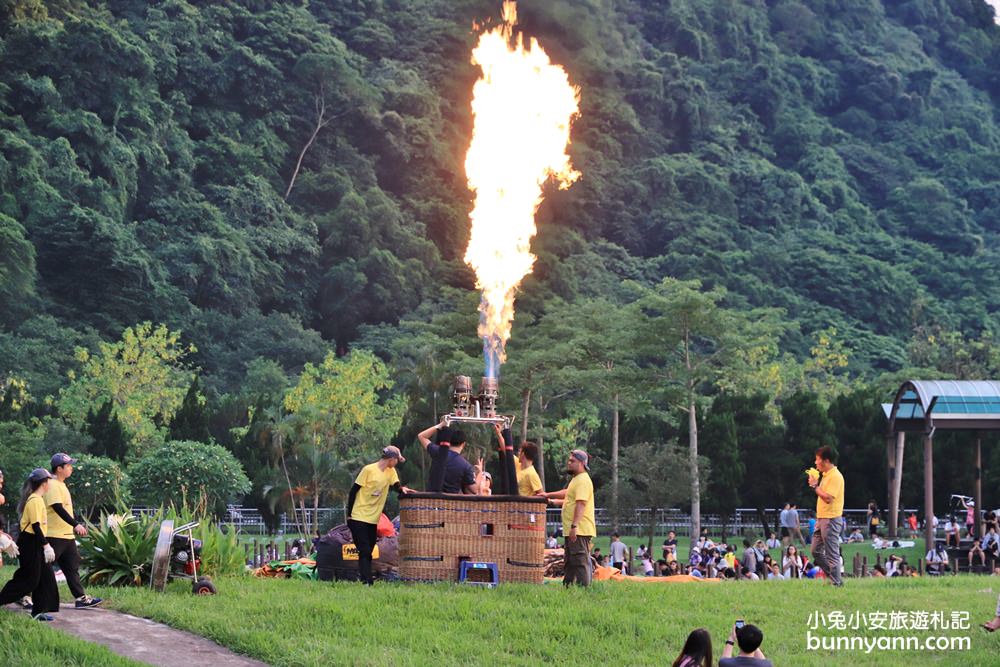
(97, 483)
(187, 474)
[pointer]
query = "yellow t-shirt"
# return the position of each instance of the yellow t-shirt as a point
(528, 481)
(580, 488)
(370, 500)
(34, 512)
(58, 493)
(832, 483)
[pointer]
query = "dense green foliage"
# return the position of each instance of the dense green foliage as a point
(188, 474)
(269, 181)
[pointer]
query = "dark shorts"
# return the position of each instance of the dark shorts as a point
(786, 531)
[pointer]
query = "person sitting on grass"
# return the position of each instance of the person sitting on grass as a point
(697, 651)
(791, 563)
(878, 571)
(749, 638)
(937, 560)
(663, 568)
(878, 542)
(647, 566)
(748, 574)
(977, 552)
(673, 568)
(773, 542)
(856, 536)
(695, 572)
(892, 566)
(775, 572)
(551, 542)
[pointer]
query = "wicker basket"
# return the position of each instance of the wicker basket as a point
(439, 531)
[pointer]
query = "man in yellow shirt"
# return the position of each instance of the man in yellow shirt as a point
(528, 481)
(579, 527)
(64, 527)
(366, 502)
(829, 490)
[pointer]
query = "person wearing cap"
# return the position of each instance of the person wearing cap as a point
(34, 575)
(579, 527)
(64, 527)
(457, 474)
(366, 502)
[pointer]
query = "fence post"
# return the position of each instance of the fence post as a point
(864, 566)
(856, 565)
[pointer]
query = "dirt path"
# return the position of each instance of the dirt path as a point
(146, 641)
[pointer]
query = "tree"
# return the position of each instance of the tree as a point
(659, 473)
(686, 339)
(187, 474)
(109, 437)
(190, 422)
(718, 432)
(142, 376)
(339, 414)
(97, 483)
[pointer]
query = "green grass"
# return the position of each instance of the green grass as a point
(300, 623)
(27, 642)
(296, 623)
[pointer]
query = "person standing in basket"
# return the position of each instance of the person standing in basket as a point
(829, 490)
(64, 527)
(34, 575)
(366, 502)
(579, 527)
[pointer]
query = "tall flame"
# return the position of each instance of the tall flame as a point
(522, 105)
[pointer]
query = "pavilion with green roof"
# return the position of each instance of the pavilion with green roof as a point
(928, 406)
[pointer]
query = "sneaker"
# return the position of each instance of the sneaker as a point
(43, 617)
(26, 602)
(85, 601)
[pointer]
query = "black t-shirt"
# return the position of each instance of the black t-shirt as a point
(458, 473)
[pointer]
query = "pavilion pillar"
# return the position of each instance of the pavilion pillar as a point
(895, 482)
(979, 485)
(929, 490)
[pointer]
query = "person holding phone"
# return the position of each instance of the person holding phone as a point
(749, 637)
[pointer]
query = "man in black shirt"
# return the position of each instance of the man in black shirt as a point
(459, 475)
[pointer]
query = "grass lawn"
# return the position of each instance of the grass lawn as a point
(286, 622)
(289, 622)
(27, 642)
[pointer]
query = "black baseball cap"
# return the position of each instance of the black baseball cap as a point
(39, 475)
(61, 459)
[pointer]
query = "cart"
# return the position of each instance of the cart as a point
(177, 556)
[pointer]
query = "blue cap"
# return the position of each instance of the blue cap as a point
(39, 475)
(61, 459)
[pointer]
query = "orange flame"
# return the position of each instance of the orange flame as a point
(523, 105)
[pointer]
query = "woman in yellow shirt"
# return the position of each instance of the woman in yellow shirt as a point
(34, 575)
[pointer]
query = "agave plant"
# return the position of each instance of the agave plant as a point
(119, 550)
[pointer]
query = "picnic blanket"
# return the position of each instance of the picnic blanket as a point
(300, 568)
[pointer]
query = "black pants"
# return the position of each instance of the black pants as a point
(68, 557)
(365, 538)
(33, 577)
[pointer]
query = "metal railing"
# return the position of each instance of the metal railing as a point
(631, 522)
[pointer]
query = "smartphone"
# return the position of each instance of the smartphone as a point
(739, 623)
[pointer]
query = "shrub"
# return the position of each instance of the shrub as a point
(118, 551)
(188, 474)
(97, 483)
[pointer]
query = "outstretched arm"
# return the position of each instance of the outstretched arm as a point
(425, 436)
